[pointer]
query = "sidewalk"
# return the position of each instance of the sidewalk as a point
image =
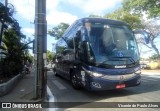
(22, 92)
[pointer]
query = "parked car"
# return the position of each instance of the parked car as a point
(144, 66)
(49, 67)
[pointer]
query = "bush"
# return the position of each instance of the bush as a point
(10, 69)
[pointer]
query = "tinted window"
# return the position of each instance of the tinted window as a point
(60, 46)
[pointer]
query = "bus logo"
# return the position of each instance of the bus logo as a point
(120, 66)
(120, 54)
(121, 78)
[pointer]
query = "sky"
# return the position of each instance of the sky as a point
(58, 11)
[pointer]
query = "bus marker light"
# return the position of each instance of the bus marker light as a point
(120, 86)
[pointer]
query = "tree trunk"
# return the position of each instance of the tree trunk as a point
(154, 46)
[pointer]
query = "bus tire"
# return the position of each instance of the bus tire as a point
(74, 81)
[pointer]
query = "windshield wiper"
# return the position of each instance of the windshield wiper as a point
(130, 58)
(118, 59)
(102, 63)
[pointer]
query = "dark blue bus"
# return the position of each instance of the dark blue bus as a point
(98, 54)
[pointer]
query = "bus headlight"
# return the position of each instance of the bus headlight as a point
(94, 74)
(138, 72)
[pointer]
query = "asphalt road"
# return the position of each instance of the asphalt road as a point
(148, 91)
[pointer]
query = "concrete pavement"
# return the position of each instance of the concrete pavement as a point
(22, 92)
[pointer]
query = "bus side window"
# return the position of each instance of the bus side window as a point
(60, 48)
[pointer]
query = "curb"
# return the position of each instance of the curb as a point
(9, 85)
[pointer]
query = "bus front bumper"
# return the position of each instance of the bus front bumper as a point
(100, 83)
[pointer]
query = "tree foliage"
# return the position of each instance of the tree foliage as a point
(133, 20)
(154, 32)
(131, 13)
(154, 57)
(49, 56)
(58, 30)
(151, 7)
(116, 15)
(15, 51)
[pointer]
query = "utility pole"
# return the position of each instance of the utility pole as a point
(40, 49)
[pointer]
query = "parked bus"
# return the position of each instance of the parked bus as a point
(98, 54)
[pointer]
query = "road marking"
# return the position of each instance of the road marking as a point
(51, 99)
(59, 85)
(50, 95)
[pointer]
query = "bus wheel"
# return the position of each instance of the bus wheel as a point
(74, 80)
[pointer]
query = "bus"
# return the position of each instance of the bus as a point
(98, 54)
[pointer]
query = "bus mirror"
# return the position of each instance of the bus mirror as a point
(78, 34)
(88, 26)
(84, 34)
(145, 35)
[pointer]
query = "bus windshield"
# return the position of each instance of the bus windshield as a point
(112, 44)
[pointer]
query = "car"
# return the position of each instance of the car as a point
(49, 67)
(143, 66)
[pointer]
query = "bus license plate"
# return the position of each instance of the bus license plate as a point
(120, 86)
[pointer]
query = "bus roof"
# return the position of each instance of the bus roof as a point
(95, 20)
(102, 20)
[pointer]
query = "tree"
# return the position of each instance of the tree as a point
(5, 18)
(154, 33)
(116, 15)
(15, 50)
(49, 56)
(154, 57)
(151, 7)
(134, 21)
(58, 31)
